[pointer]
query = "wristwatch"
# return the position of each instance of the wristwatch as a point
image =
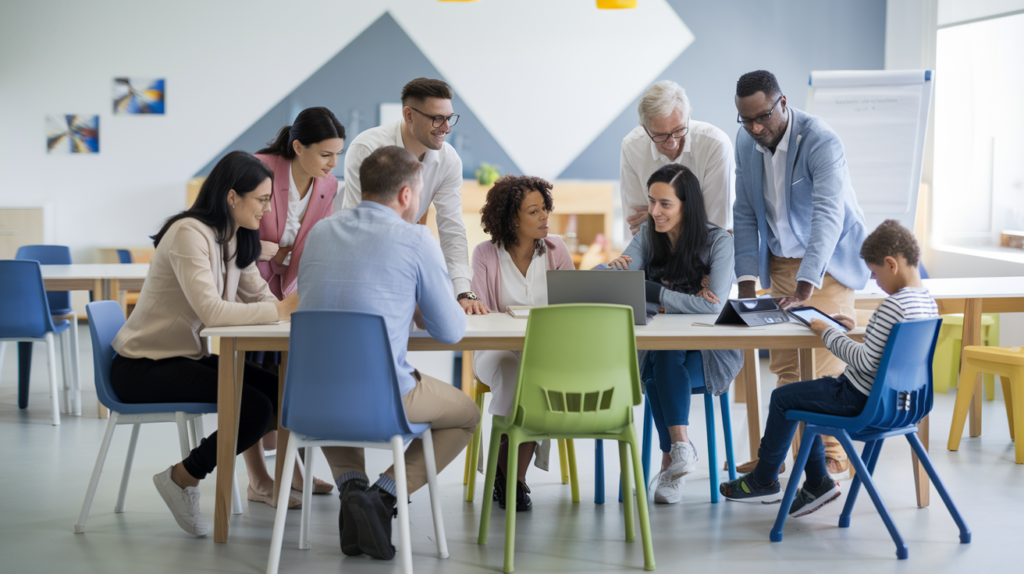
(467, 295)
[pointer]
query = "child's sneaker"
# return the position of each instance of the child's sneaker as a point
(744, 489)
(810, 499)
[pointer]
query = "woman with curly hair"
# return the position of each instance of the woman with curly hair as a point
(511, 269)
(688, 264)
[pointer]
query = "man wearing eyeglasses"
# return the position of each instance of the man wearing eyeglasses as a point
(427, 118)
(667, 134)
(798, 225)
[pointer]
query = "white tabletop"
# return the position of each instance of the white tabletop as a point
(96, 271)
(959, 288)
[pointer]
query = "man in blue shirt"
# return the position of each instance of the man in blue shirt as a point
(375, 259)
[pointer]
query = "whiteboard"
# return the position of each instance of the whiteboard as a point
(881, 118)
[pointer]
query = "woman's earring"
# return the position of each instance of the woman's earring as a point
(232, 206)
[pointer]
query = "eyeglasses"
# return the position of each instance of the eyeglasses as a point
(678, 134)
(438, 121)
(760, 120)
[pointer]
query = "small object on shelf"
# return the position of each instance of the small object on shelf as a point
(1014, 239)
(519, 311)
(487, 174)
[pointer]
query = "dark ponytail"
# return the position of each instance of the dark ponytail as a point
(311, 126)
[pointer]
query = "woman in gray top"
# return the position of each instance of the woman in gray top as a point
(688, 265)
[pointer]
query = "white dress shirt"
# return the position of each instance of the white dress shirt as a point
(296, 211)
(531, 290)
(707, 152)
(783, 242)
(442, 185)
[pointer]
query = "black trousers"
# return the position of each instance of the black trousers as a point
(182, 380)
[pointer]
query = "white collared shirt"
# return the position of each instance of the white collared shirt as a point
(296, 211)
(776, 206)
(531, 290)
(442, 185)
(707, 152)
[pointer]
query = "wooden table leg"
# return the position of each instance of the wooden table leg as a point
(751, 378)
(807, 368)
(467, 372)
(282, 433)
(972, 337)
(921, 483)
(229, 395)
(739, 389)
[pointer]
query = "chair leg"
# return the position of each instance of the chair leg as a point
(65, 371)
(794, 483)
(641, 504)
(870, 455)
(402, 488)
(512, 468)
(179, 417)
(51, 365)
(435, 495)
(626, 488)
(492, 470)
(24, 372)
(3, 347)
(282, 506)
(646, 441)
(964, 394)
(76, 367)
(1008, 399)
(869, 485)
(727, 427)
(473, 455)
(307, 498)
(709, 416)
(574, 475)
(563, 460)
(94, 480)
(1017, 404)
(598, 471)
(126, 474)
(922, 456)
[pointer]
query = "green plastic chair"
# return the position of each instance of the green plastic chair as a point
(578, 378)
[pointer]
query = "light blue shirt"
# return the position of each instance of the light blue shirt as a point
(370, 260)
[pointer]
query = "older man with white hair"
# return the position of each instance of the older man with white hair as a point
(667, 134)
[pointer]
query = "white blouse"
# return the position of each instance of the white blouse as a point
(296, 211)
(530, 290)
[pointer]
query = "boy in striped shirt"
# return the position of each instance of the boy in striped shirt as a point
(892, 255)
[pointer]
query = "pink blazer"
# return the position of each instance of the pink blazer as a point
(281, 278)
(487, 270)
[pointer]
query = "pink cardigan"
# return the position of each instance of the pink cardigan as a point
(281, 278)
(487, 270)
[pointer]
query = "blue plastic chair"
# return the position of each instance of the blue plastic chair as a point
(105, 320)
(60, 307)
(25, 317)
(697, 387)
(341, 389)
(900, 397)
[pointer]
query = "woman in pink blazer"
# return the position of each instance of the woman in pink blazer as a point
(301, 157)
(511, 269)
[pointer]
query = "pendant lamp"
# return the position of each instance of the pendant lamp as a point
(615, 4)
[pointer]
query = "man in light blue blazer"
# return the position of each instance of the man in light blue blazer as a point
(797, 223)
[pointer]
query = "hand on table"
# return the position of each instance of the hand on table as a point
(473, 306)
(620, 263)
(803, 293)
(287, 306)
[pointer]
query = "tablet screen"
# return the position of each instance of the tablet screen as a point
(806, 314)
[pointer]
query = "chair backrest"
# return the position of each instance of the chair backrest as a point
(60, 301)
(24, 311)
(902, 393)
(341, 382)
(579, 371)
(105, 319)
(124, 256)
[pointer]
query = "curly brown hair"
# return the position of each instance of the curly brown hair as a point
(889, 240)
(501, 208)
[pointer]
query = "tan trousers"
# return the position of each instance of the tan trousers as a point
(832, 298)
(452, 416)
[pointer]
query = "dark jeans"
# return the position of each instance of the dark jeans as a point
(828, 395)
(181, 380)
(668, 377)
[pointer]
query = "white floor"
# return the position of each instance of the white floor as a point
(45, 471)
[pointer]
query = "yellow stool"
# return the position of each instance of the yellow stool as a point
(946, 362)
(566, 452)
(1006, 362)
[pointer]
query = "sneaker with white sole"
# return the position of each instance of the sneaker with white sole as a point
(808, 499)
(669, 491)
(684, 460)
(183, 502)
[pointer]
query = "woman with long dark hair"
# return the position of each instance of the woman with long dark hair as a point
(203, 273)
(688, 264)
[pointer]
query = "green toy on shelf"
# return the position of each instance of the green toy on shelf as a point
(487, 174)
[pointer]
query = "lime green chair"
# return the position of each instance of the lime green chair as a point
(578, 378)
(946, 362)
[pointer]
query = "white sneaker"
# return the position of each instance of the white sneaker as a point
(669, 491)
(684, 460)
(183, 502)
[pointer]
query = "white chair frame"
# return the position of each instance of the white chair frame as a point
(397, 447)
(70, 401)
(190, 432)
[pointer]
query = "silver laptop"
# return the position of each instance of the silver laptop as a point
(609, 287)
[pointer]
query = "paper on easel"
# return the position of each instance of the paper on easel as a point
(518, 311)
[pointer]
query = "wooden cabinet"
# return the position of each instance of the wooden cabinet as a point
(20, 226)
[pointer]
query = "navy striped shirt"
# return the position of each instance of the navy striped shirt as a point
(862, 359)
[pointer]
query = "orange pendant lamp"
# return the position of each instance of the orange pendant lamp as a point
(615, 4)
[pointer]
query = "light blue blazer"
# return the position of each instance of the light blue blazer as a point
(823, 210)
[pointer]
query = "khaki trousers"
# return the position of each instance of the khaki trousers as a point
(452, 416)
(832, 298)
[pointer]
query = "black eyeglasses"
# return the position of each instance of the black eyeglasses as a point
(678, 134)
(438, 121)
(760, 120)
